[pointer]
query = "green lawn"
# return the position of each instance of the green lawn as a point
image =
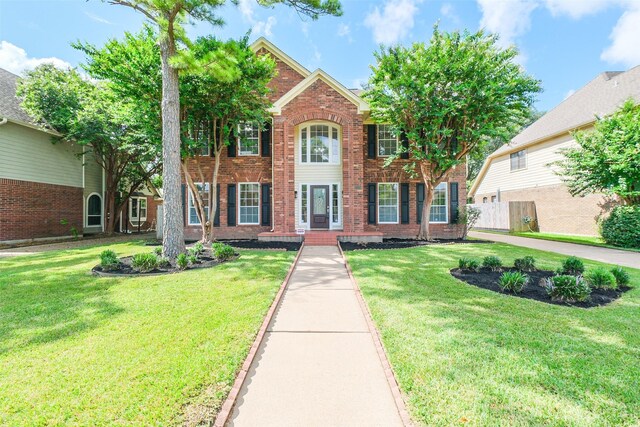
(468, 355)
(580, 240)
(80, 350)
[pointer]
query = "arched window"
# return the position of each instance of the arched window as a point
(319, 143)
(94, 210)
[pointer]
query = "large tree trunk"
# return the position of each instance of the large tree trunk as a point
(173, 220)
(424, 233)
(213, 196)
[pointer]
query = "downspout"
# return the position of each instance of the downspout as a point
(273, 205)
(3, 121)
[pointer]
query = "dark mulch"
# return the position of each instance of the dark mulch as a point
(404, 243)
(258, 244)
(487, 279)
(206, 260)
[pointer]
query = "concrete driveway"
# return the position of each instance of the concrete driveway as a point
(595, 253)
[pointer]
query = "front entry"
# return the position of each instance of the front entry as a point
(320, 206)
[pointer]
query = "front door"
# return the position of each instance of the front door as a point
(319, 206)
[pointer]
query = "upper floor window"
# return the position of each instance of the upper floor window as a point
(387, 141)
(248, 139)
(319, 144)
(518, 160)
(200, 135)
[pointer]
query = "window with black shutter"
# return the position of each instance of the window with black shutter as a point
(404, 203)
(231, 204)
(232, 147)
(453, 202)
(265, 140)
(216, 217)
(372, 135)
(371, 204)
(404, 140)
(266, 204)
(419, 201)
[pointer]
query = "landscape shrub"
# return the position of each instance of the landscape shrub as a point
(144, 262)
(492, 262)
(163, 262)
(465, 263)
(222, 251)
(109, 260)
(568, 288)
(198, 249)
(572, 266)
(527, 263)
(621, 275)
(600, 278)
(192, 258)
(622, 227)
(182, 262)
(513, 281)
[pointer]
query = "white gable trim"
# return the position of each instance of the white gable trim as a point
(263, 43)
(333, 83)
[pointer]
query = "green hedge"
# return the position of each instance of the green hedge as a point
(622, 227)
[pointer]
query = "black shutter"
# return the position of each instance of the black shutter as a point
(404, 203)
(185, 210)
(231, 148)
(371, 205)
(419, 201)
(266, 204)
(404, 140)
(265, 140)
(372, 136)
(231, 204)
(453, 203)
(216, 216)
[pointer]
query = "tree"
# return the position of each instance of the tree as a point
(606, 159)
(448, 97)
(169, 16)
(91, 115)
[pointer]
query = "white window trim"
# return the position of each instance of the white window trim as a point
(378, 142)
(86, 216)
(240, 184)
(330, 162)
(208, 154)
(138, 218)
(332, 225)
(300, 221)
(397, 202)
(239, 143)
(446, 205)
(190, 201)
(526, 161)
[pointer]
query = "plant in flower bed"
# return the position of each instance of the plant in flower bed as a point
(465, 263)
(109, 260)
(492, 262)
(527, 263)
(144, 263)
(182, 262)
(571, 266)
(568, 288)
(600, 278)
(222, 251)
(513, 281)
(621, 275)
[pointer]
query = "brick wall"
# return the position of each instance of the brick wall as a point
(30, 210)
(286, 78)
(152, 213)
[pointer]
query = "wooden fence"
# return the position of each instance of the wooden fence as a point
(506, 216)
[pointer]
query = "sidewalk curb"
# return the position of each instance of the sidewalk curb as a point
(382, 354)
(229, 404)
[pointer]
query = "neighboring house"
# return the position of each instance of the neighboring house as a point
(318, 166)
(522, 170)
(139, 213)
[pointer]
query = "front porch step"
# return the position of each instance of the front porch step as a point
(321, 238)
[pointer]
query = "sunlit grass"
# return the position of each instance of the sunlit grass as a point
(468, 355)
(81, 350)
(579, 240)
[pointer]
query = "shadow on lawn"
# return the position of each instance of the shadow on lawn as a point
(578, 358)
(44, 298)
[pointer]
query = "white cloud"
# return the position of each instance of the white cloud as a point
(97, 18)
(447, 10)
(246, 9)
(508, 18)
(343, 30)
(624, 40)
(394, 22)
(265, 27)
(578, 8)
(15, 59)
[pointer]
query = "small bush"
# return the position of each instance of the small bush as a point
(572, 266)
(182, 262)
(158, 250)
(621, 275)
(198, 248)
(465, 263)
(513, 281)
(600, 278)
(492, 262)
(109, 260)
(222, 251)
(527, 263)
(568, 288)
(622, 227)
(144, 262)
(193, 260)
(163, 262)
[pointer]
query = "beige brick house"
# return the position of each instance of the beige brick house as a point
(522, 170)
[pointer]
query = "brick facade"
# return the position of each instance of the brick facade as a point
(32, 210)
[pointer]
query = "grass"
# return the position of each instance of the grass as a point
(80, 350)
(465, 355)
(579, 240)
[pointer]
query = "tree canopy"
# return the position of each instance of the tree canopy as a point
(607, 158)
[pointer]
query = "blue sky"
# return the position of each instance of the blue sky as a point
(564, 43)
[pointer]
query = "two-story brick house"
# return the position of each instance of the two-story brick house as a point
(318, 167)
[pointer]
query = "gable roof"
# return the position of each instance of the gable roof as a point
(600, 97)
(313, 77)
(10, 108)
(263, 43)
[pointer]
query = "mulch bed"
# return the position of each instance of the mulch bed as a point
(248, 244)
(487, 279)
(404, 243)
(206, 260)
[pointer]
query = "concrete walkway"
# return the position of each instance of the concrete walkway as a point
(318, 364)
(595, 253)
